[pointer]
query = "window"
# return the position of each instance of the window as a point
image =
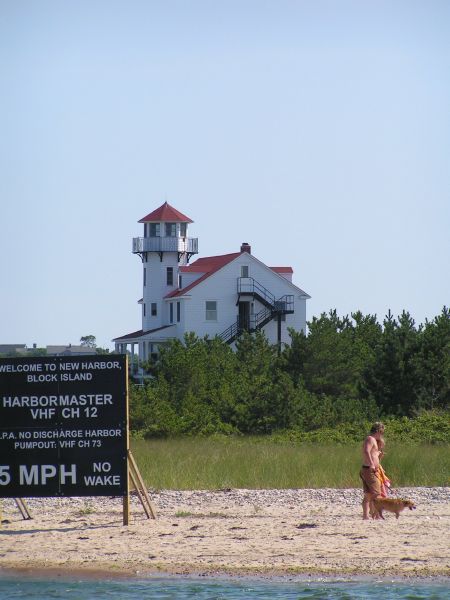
(171, 229)
(244, 271)
(153, 352)
(171, 312)
(178, 312)
(169, 275)
(145, 276)
(144, 308)
(211, 310)
(155, 229)
(183, 229)
(154, 309)
(180, 282)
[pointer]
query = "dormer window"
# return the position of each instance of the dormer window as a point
(155, 229)
(171, 230)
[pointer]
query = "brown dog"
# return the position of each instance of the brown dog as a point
(393, 505)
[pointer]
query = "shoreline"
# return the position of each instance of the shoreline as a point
(98, 574)
(264, 534)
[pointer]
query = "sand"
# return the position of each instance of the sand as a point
(254, 532)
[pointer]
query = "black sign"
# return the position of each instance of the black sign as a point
(63, 426)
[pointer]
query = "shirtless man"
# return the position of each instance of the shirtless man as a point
(370, 462)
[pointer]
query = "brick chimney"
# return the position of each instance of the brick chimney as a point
(245, 247)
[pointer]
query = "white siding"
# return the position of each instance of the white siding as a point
(156, 287)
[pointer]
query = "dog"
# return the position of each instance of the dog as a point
(393, 505)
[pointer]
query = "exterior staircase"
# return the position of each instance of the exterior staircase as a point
(273, 309)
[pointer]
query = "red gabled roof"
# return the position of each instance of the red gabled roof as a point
(282, 269)
(166, 213)
(209, 263)
(208, 266)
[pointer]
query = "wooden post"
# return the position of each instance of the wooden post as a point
(23, 508)
(126, 498)
(141, 488)
(133, 473)
(126, 508)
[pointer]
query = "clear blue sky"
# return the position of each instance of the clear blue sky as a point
(317, 131)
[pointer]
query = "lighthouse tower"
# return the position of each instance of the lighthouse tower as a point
(164, 248)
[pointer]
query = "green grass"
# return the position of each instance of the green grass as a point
(211, 515)
(87, 509)
(254, 463)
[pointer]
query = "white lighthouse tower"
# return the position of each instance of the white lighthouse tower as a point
(164, 248)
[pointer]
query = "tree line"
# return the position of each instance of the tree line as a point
(346, 370)
(87, 341)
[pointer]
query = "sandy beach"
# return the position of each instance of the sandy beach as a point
(255, 532)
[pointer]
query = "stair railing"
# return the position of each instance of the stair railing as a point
(248, 285)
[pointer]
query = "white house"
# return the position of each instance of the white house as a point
(214, 296)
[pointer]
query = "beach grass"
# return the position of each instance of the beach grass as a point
(258, 463)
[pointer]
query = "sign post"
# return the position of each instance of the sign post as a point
(64, 427)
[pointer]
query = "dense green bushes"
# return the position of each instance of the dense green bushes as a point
(430, 427)
(325, 386)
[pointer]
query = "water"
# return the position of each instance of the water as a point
(186, 588)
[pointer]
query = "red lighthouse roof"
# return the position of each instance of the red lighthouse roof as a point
(166, 213)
